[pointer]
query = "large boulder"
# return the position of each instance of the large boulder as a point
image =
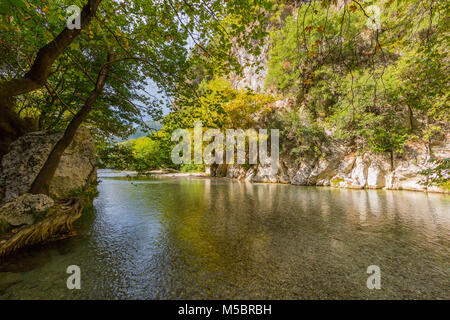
(24, 209)
(28, 154)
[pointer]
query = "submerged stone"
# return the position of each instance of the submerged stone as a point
(8, 279)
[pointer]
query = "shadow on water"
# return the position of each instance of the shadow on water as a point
(175, 238)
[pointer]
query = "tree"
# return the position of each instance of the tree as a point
(41, 183)
(151, 42)
(11, 125)
(374, 87)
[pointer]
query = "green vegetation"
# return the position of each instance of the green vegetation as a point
(217, 105)
(438, 175)
(100, 75)
(378, 89)
(364, 74)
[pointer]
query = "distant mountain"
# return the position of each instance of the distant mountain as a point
(141, 132)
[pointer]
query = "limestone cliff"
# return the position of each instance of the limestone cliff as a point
(341, 166)
(342, 169)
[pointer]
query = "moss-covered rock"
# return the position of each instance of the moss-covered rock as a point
(25, 209)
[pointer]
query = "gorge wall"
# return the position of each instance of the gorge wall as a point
(340, 166)
(345, 169)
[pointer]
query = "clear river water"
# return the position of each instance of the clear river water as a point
(205, 238)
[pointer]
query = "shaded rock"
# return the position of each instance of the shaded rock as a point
(253, 77)
(346, 164)
(218, 170)
(28, 154)
(284, 175)
(24, 209)
(265, 173)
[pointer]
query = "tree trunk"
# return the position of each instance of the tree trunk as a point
(410, 120)
(11, 125)
(41, 183)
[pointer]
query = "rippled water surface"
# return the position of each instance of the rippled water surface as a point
(174, 238)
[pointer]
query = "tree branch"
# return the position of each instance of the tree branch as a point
(41, 68)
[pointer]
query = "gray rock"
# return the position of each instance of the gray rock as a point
(28, 154)
(265, 174)
(25, 208)
(341, 170)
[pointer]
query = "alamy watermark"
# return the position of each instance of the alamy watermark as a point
(74, 280)
(374, 20)
(74, 20)
(374, 280)
(233, 139)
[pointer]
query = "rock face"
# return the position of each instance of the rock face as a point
(24, 209)
(344, 169)
(254, 76)
(339, 167)
(28, 154)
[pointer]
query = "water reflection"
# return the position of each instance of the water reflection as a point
(166, 238)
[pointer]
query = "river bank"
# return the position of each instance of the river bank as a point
(247, 174)
(166, 173)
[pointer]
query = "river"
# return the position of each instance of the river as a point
(205, 238)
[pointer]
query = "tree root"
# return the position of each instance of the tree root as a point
(65, 213)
